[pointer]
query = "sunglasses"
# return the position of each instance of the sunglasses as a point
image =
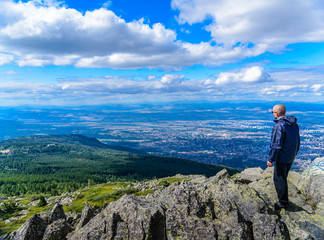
(273, 112)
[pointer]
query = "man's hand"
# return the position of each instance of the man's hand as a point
(269, 164)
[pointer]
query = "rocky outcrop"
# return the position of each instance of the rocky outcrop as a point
(249, 175)
(56, 213)
(311, 183)
(57, 230)
(32, 229)
(128, 218)
(51, 225)
(219, 207)
(87, 213)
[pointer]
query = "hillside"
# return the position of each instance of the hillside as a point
(74, 139)
(54, 164)
(182, 207)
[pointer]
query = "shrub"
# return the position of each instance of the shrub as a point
(42, 202)
(8, 207)
(164, 183)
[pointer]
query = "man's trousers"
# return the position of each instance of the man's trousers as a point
(280, 181)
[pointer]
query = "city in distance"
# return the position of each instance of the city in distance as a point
(231, 134)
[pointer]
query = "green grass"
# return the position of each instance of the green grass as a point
(164, 183)
(175, 179)
(235, 175)
(144, 193)
(99, 195)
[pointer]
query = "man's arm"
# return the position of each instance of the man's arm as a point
(298, 146)
(276, 143)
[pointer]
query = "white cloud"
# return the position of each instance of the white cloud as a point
(291, 89)
(249, 75)
(111, 85)
(25, 88)
(151, 77)
(271, 24)
(40, 33)
(46, 33)
(5, 58)
(172, 79)
(317, 87)
(239, 85)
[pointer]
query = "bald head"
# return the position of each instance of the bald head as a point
(280, 110)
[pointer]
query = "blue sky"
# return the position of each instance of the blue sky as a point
(121, 51)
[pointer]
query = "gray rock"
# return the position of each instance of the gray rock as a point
(32, 229)
(24, 212)
(72, 216)
(127, 218)
(65, 200)
(268, 172)
(7, 221)
(87, 213)
(311, 183)
(54, 214)
(75, 220)
(34, 203)
(320, 209)
(294, 177)
(229, 227)
(5, 237)
(249, 175)
(198, 179)
(269, 227)
(57, 230)
(223, 174)
(302, 226)
(296, 196)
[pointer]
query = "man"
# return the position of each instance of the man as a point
(285, 143)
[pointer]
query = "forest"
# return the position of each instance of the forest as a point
(54, 164)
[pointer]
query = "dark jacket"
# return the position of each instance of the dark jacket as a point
(285, 140)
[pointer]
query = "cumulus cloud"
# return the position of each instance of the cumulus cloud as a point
(45, 32)
(317, 87)
(40, 34)
(235, 85)
(172, 79)
(249, 75)
(184, 54)
(267, 24)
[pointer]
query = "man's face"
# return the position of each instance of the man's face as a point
(274, 112)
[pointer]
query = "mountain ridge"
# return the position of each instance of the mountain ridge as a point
(70, 139)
